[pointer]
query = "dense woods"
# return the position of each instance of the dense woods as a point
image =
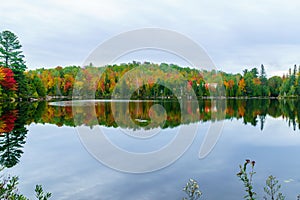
(166, 81)
(60, 82)
(133, 80)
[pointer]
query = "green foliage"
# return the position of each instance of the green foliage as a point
(166, 81)
(248, 76)
(40, 195)
(35, 86)
(272, 188)
(246, 177)
(24, 86)
(192, 190)
(247, 111)
(11, 57)
(11, 144)
(13, 131)
(9, 190)
(10, 54)
(274, 84)
(60, 82)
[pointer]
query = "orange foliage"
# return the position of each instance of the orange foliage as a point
(256, 81)
(242, 85)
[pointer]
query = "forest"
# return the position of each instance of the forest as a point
(132, 80)
(252, 83)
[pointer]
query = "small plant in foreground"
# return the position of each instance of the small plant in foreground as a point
(272, 187)
(246, 177)
(39, 193)
(192, 190)
(9, 190)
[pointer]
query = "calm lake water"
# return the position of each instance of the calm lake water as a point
(40, 143)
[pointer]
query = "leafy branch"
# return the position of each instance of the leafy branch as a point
(9, 190)
(192, 190)
(272, 187)
(246, 177)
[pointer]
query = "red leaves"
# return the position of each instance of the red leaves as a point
(7, 79)
(67, 86)
(7, 121)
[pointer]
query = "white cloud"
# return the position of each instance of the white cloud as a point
(234, 33)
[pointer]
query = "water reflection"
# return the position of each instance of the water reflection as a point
(13, 131)
(15, 116)
(253, 111)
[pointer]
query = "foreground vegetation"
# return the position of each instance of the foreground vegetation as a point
(271, 189)
(9, 189)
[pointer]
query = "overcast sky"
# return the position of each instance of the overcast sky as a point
(236, 34)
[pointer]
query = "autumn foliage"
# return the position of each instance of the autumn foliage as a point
(7, 121)
(7, 80)
(163, 81)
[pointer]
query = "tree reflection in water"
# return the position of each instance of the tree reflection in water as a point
(15, 116)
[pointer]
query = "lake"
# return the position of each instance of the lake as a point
(42, 143)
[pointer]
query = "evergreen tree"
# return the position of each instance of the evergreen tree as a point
(10, 52)
(254, 71)
(264, 81)
(263, 74)
(11, 144)
(11, 57)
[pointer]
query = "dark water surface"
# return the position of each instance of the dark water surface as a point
(39, 142)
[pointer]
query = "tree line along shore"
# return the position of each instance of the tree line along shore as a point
(164, 81)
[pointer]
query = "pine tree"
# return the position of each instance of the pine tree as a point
(11, 57)
(263, 72)
(264, 81)
(10, 54)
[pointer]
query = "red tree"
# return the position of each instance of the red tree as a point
(7, 80)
